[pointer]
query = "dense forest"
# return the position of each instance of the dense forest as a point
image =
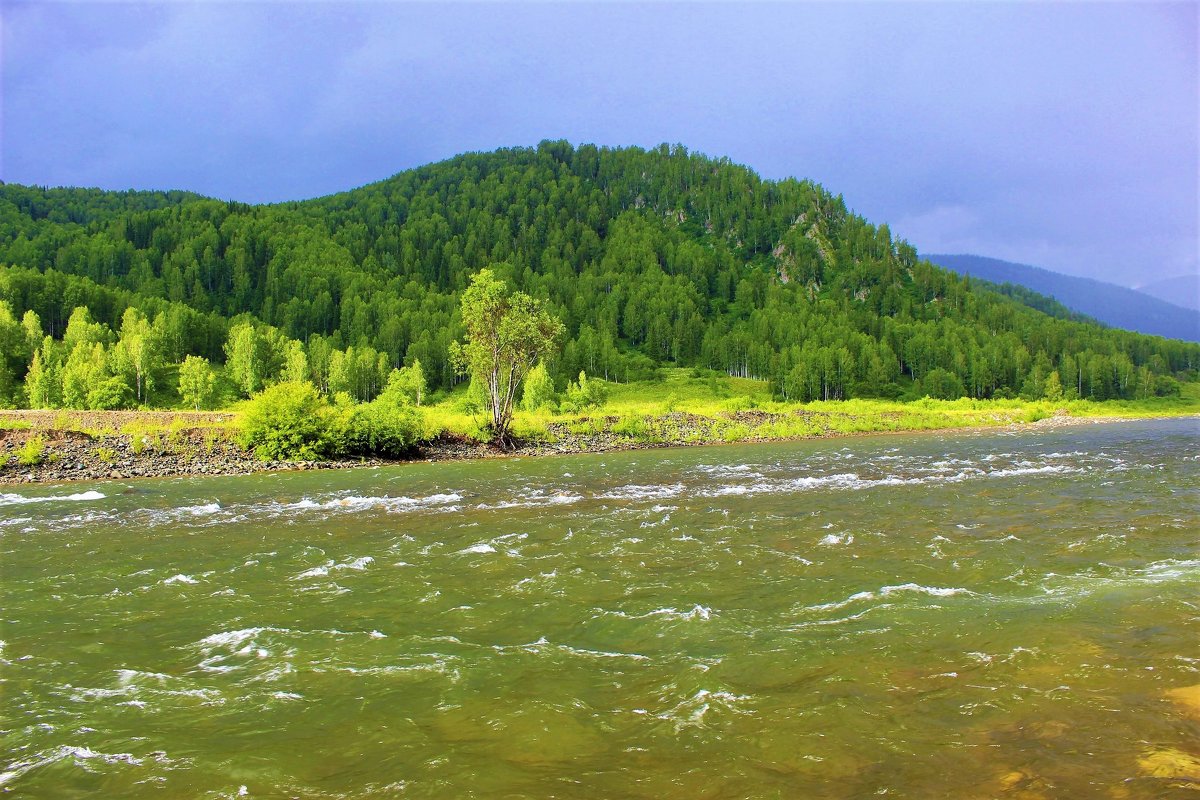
(648, 257)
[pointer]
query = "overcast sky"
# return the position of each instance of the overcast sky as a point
(1062, 135)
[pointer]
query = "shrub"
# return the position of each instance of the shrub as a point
(289, 421)
(380, 428)
(31, 453)
(633, 427)
(586, 392)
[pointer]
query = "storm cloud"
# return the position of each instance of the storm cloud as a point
(1062, 135)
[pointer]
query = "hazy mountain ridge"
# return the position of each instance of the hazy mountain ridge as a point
(1108, 303)
(1181, 290)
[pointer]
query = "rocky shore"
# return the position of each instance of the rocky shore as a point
(175, 444)
(76, 456)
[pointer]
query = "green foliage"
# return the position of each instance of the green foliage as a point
(406, 385)
(539, 391)
(584, 393)
(652, 259)
(137, 354)
(1052, 389)
(381, 428)
(108, 394)
(506, 334)
(106, 454)
(32, 452)
(942, 384)
(85, 370)
(197, 382)
(289, 421)
(293, 421)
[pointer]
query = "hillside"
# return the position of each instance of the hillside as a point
(650, 258)
(1182, 290)
(1113, 305)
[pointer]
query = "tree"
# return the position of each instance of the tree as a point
(539, 389)
(584, 393)
(85, 370)
(405, 386)
(1052, 390)
(506, 334)
(136, 354)
(197, 382)
(295, 363)
(41, 383)
(254, 357)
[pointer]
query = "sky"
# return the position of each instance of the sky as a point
(1063, 135)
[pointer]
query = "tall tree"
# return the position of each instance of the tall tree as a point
(506, 334)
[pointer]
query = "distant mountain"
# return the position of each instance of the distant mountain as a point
(1111, 304)
(1182, 290)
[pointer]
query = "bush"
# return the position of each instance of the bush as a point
(586, 392)
(380, 428)
(289, 421)
(32, 452)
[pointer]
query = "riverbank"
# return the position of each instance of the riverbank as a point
(63, 446)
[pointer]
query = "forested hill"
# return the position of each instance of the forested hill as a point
(1111, 304)
(658, 257)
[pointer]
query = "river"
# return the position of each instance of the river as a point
(973, 614)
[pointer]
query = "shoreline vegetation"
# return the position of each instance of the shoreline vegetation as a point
(554, 299)
(681, 409)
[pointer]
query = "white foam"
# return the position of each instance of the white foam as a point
(640, 492)
(691, 712)
(363, 503)
(201, 510)
(357, 564)
(17, 499)
(479, 548)
(126, 677)
(234, 639)
(933, 591)
(697, 612)
(180, 578)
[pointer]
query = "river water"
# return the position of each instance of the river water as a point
(925, 616)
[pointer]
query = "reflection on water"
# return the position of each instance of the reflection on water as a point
(978, 616)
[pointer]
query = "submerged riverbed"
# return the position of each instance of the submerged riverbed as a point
(969, 615)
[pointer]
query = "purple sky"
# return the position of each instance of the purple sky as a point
(1062, 135)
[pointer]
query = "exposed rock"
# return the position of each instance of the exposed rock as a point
(1187, 698)
(1170, 763)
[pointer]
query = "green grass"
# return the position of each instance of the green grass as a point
(686, 407)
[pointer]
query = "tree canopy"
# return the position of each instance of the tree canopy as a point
(506, 334)
(647, 257)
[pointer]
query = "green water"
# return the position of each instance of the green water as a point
(976, 615)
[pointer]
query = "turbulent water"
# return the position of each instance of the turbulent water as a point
(977, 615)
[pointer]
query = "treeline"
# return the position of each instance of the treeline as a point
(649, 258)
(145, 362)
